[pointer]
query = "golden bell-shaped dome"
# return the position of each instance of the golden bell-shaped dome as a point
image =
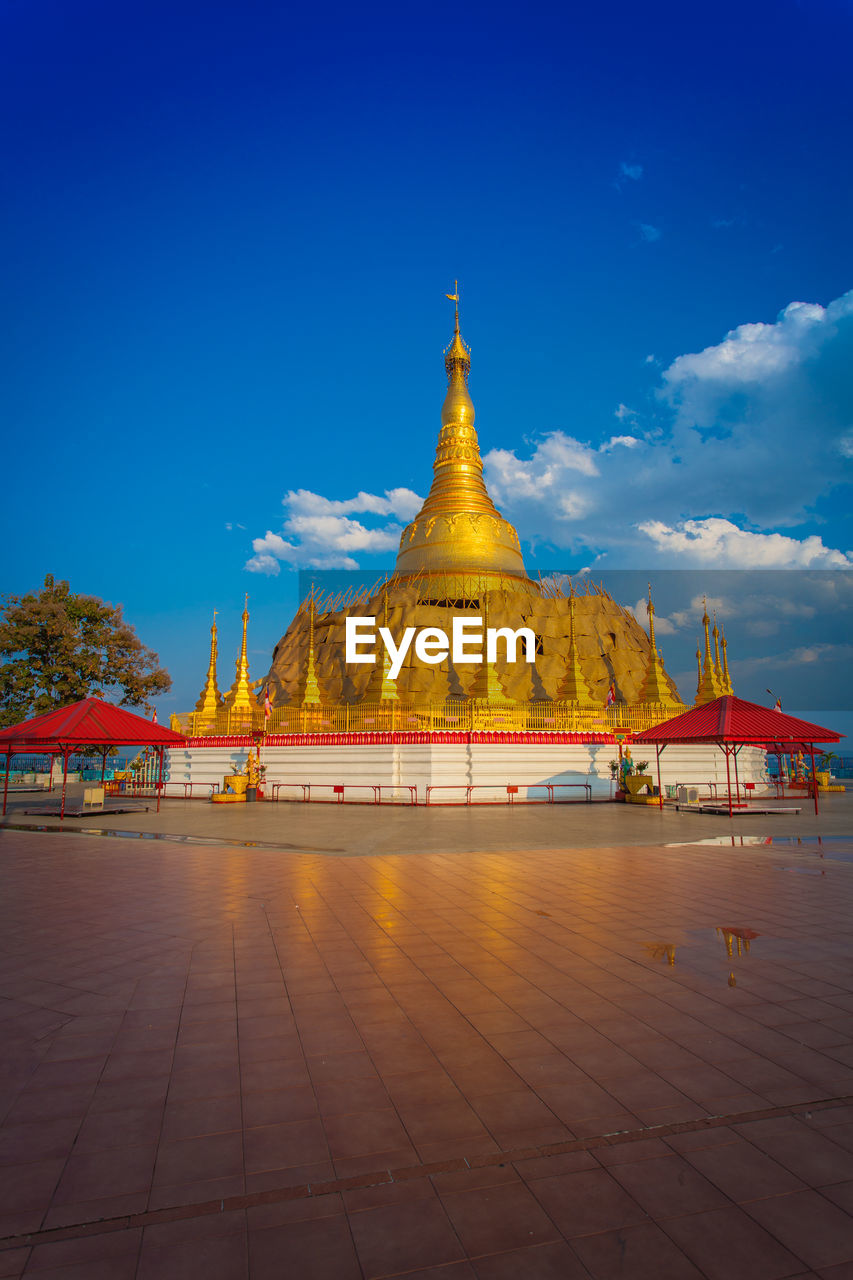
(459, 536)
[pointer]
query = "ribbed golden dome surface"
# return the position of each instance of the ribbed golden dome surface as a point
(459, 536)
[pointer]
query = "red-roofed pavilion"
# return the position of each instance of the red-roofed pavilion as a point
(732, 723)
(89, 723)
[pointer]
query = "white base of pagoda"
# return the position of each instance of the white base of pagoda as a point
(451, 768)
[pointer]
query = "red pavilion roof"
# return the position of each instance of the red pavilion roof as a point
(731, 719)
(91, 722)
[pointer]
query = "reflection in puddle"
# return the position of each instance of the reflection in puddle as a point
(660, 951)
(735, 940)
(738, 841)
(739, 938)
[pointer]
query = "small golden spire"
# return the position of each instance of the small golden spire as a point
(210, 699)
(708, 689)
(388, 688)
(489, 680)
(727, 680)
(574, 686)
(718, 666)
(312, 686)
(239, 696)
(655, 687)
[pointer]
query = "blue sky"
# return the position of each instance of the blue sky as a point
(226, 233)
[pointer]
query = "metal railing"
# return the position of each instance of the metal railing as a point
(467, 716)
(339, 792)
(510, 792)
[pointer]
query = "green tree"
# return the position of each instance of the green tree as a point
(57, 647)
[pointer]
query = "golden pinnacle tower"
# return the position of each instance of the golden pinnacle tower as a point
(210, 699)
(574, 686)
(709, 687)
(311, 694)
(459, 541)
(239, 697)
(656, 684)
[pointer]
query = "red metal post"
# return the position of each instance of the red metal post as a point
(103, 764)
(660, 788)
(160, 779)
(728, 777)
(814, 778)
(6, 783)
(737, 782)
(64, 781)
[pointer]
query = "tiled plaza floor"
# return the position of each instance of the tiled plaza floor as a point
(511, 1063)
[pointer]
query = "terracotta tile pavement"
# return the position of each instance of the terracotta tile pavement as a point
(226, 1062)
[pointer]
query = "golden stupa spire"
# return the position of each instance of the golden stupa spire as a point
(459, 532)
(239, 696)
(727, 680)
(489, 680)
(655, 687)
(311, 695)
(718, 666)
(210, 699)
(574, 687)
(388, 688)
(708, 688)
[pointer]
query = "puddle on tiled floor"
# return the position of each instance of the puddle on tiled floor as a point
(172, 838)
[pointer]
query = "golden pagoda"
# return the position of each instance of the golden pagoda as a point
(459, 557)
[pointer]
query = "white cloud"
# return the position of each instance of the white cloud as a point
(619, 442)
(752, 352)
(720, 543)
(754, 432)
(834, 655)
(321, 533)
(340, 533)
(663, 626)
(650, 233)
(402, 503)
(632, 171)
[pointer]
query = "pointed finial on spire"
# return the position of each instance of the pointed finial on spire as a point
(454, 297)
